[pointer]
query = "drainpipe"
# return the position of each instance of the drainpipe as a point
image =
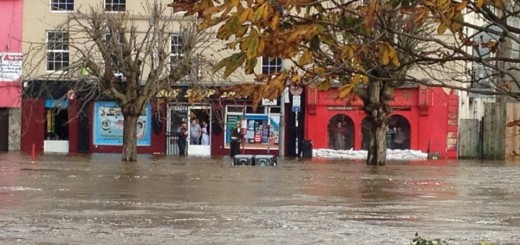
(281, 134)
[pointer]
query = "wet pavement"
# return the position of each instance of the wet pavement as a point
(97, 199)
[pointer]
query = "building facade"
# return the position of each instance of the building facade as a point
(11, 15)
(57, 119)
(424, 119)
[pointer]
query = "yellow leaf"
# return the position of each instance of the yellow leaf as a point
(296, 78)
(259, 12)
(244, 15)
(266, 15)
(261, 46)
(479, 3)
(243, 29)
(461, 6)
(234, 2)
(395, 61)
(306, 58)
(253, 47)
(441, 29)
(325, 85)
(384, 58)
(345, 90)
(275, 22)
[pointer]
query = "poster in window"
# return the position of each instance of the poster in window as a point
(260, 132)
(109, 121)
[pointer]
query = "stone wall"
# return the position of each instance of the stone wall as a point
(14, 129)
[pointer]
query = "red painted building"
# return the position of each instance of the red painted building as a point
(11, 15)
(427, 116)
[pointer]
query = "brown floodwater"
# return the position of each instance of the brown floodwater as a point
(97, 199)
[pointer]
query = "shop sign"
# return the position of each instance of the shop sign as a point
(10, 67)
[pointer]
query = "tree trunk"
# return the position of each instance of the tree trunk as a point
(377, 145)
(130, 138)
(377, 109)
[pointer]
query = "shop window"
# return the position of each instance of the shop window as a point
(341, 132)
(398, 135)
(108, 123)
(259, 129)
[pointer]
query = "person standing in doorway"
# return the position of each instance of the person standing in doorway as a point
(340, 136)
(182, 134)
(401, 139)
(204, 140)
(195, 132)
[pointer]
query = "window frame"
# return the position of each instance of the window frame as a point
(110, 5)
(59, 3)
(119, 41)
(176, 52)
(60, 45)
(268, 67)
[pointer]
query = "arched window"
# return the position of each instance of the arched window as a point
(341, 132)
(399, 132)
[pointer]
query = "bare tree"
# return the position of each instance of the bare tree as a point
(127, 58)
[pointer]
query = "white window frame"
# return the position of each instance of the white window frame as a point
(119, 39)
(268, 67)
(59, 47)
(110, 5)
(60, 3)
(176, 52)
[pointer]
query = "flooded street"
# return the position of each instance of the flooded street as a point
(97, 199)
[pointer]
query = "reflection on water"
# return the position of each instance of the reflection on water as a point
(158, 200)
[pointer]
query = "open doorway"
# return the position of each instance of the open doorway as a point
(56, 126)
(4, 129)
(199, 130)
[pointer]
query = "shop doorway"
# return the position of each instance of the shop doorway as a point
(199, 130)
(341, 132)
(56, 126)
(175, 116)
(4, 129)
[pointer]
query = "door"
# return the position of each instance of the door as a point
(199, 130)
(175, 116)
(4, 129)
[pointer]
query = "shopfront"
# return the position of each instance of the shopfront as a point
(198, 126)
(422, 119)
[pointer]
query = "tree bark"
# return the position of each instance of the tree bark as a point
(377, 109)
(130, 138)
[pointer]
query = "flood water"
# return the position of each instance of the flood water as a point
(97, 199)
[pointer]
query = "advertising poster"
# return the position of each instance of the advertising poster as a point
(259, 133)
(10, 67)
(108, 125)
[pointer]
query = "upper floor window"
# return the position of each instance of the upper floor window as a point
(62, 5)
(176, 42)
(57, 50)
(271, 65)
(113, 43)
(115, 5)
